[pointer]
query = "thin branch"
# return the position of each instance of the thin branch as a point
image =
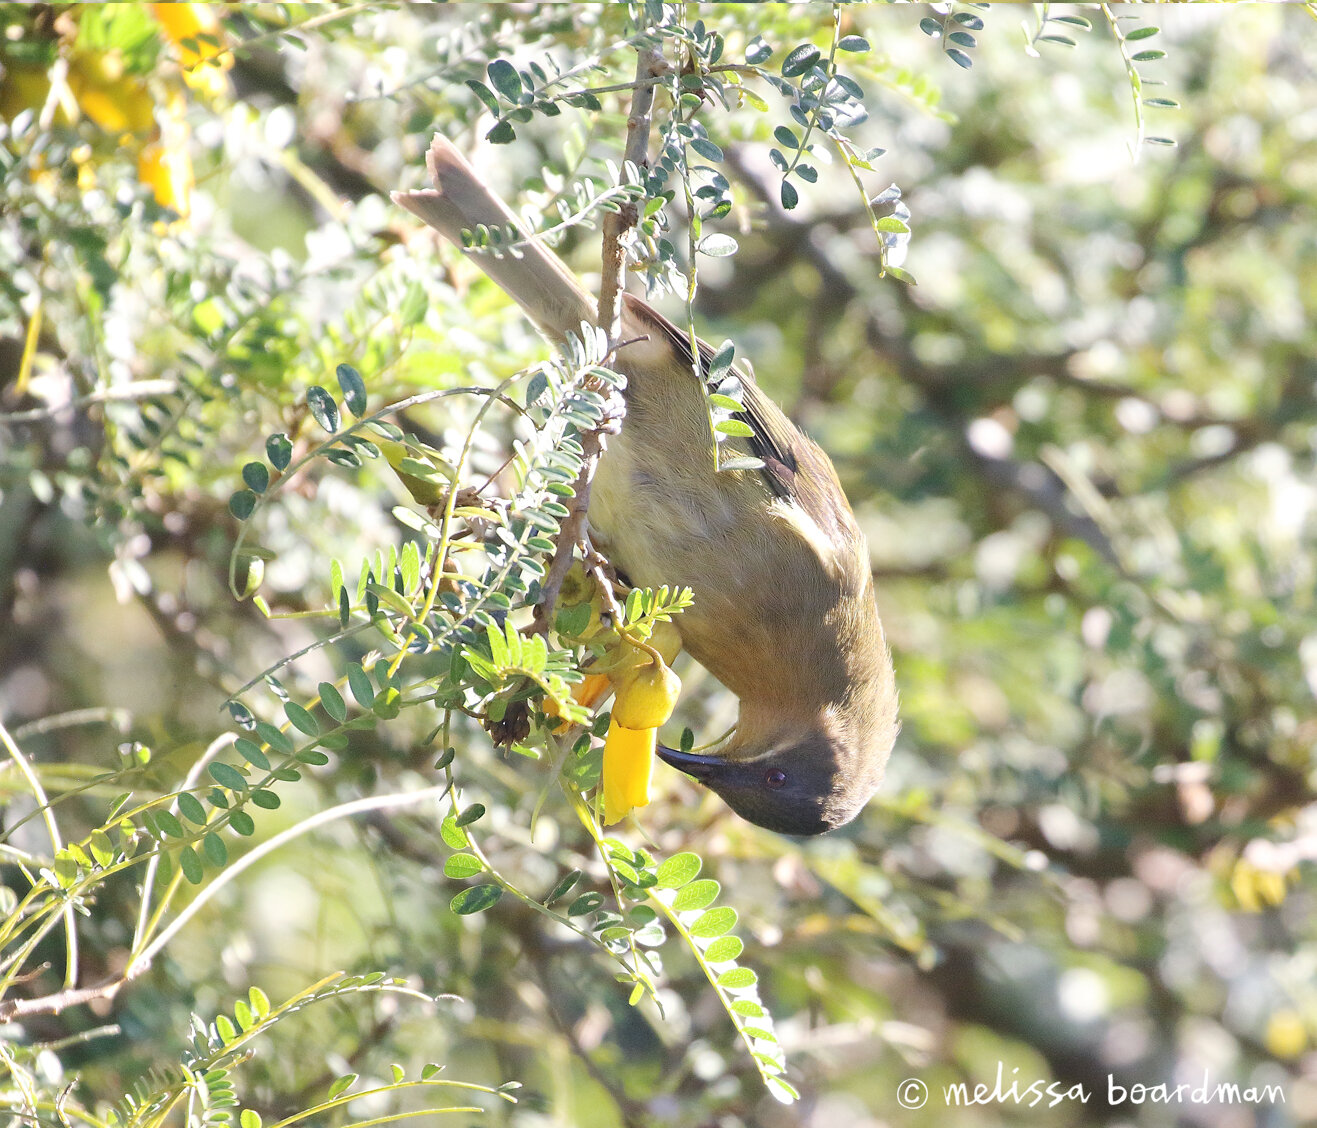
(140, 390)
(57, 844)
(138, 963)
(649, 64)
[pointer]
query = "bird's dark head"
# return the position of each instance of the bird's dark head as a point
(813, 784)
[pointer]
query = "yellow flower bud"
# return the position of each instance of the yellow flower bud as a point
(647, 697)
(666, 639)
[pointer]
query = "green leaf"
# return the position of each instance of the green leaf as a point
(251, 752)
(742, 462)
(1141, 33)
(256, 476)
(585, 903)
(706, 148)
(957, 56)
(250, 1118)
(724, 950)
(301, 719)
(484, 93)
(323, 408)
(472, 814)
(722, 360)
(242, 823)
(757, 51)
(501, 134)
(462, 866)
(678, 870)
(697, 895)
(102, 849)
(1148, 56)
(726, 402)
(217, 854)
(276, 738)
(737, 979)
(260, 1002)
(717, 245)
(452, 834)
(266, 799)
(191, 865)
(189, 806)
(228, 776)
(962, 38)
(854, 43)
(359, 683)
(790, 197)
(333, 702)
(354, 389)
(786, 137)
(341, 1085)
(242, 504)
(713, 923)
(892, 224)
(799, 60)
(563, 887)
(734, 427)
(505, 79)
(476, 899)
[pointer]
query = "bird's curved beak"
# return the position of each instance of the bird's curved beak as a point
(692, 763)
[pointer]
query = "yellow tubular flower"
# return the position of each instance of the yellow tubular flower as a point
(166, 165)
(628, 760)
(189, 22)
(116, 101)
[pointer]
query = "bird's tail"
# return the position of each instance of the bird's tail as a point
(529, 273)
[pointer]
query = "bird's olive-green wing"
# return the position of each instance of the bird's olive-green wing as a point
(795, 468)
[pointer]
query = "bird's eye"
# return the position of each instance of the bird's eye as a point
(775, 778)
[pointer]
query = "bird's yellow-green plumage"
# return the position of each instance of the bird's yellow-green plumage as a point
(784, 611)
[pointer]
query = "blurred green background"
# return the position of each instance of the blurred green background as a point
(1082, 448)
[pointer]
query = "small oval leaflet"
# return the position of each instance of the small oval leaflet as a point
(462, 866)
(354, 389)
(242, 504)
(678, 870)
(279, 450)
(713, 923)
(323, 408)
(697, 895)
(256, 476)
(190, 864)
(228, 776)
(799, 60)
(737, 979)
(476, 899)
(717, 245)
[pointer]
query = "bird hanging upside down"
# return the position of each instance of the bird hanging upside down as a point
(784, 613)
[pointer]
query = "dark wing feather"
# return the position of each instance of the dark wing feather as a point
(795, 468)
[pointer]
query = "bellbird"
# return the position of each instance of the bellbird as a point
(784, 613)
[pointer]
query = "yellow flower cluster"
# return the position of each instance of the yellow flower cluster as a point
(645, 690)
(143, 113)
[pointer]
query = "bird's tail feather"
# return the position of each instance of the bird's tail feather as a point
(529, 273)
